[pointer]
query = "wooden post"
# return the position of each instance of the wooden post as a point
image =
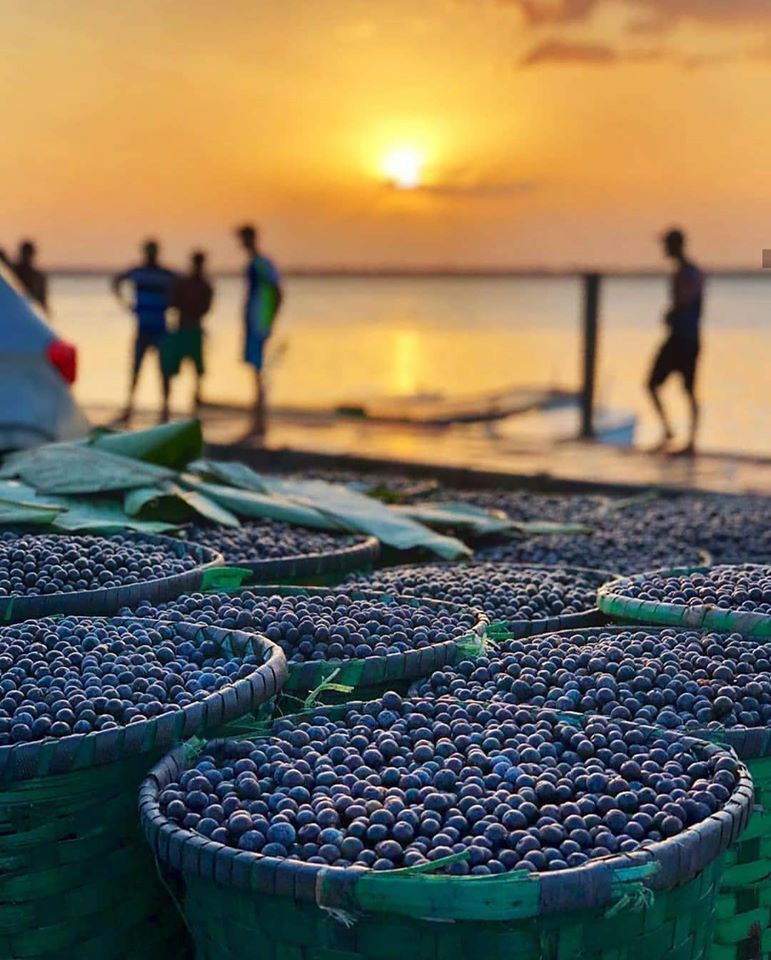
(591, 306)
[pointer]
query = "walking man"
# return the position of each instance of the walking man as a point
(152, 286)
(191, 297)
(264, 296)
(680, 351)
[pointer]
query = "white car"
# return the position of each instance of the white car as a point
(36, 371)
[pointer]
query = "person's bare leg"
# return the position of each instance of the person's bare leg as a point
(690, 447)
(258, 422)
(653, 390)
(136, 363)
(165, 390)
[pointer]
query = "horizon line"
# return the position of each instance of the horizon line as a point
(392, 271)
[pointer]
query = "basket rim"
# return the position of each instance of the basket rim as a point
(662, 864)
(342, 559)
(336, 560)
(518, 629)
(77, 751)
(18, 607)
(305, 673)
(697, 616)
(749, 743)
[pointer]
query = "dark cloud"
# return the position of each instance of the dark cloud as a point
(654, 19)
(554, 11)
(655, 15)
(560, 51)
(733, 12)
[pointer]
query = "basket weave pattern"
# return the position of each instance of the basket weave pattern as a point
(104, 603)
(246, 905)
(76, 879)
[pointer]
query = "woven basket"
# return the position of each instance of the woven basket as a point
(324, 567)
(76, 880)
(103, 603)
(245, 905)
(369, 677)
(515, 629)
(743, 928)
(702, 617)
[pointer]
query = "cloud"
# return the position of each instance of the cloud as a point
(490, 188)
(654, 16)
(601, 54)
(468, 181)
(564, 51)
(699, 60)
(660, 21)
(729, 12)
(538, 12)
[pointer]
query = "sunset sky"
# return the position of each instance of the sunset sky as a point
(552, 132)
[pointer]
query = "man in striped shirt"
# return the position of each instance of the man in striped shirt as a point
(152, 287)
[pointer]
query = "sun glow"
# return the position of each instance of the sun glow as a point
(403, 167)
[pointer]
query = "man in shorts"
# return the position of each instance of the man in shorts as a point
(191, 297)
(152, 286)
(680, 351)
(264, 296)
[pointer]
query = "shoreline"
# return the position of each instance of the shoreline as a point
(470, 454)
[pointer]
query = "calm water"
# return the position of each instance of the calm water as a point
(349, 339)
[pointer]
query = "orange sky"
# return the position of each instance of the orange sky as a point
(555, 131)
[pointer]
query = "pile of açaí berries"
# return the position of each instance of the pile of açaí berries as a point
(504, 591)
(34, 564)
(743, 587)
(332, 626)
(399, 783)
(257, 540)
(83, 674)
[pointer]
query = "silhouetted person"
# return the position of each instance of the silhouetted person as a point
(263, 301)
(32, 280)
(152, 286)
(191, 296)
(680, 351)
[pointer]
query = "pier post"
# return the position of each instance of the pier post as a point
(591, 304)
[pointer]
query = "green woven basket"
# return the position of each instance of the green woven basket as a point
(657, 903)
(104, 603)
(337, 681)
(328, 566)
(76, 880)
(703, 617)
(743, 928)
(500, 630)
(516, 629)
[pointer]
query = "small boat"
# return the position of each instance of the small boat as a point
(560, 424)
(438, 410)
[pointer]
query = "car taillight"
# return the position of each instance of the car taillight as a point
(63, 356)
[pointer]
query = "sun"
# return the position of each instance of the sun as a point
(403, 167)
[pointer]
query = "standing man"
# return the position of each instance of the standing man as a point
(152, 286)
(32, 280)
(191, 297)
(263, 301)
(680, 351)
